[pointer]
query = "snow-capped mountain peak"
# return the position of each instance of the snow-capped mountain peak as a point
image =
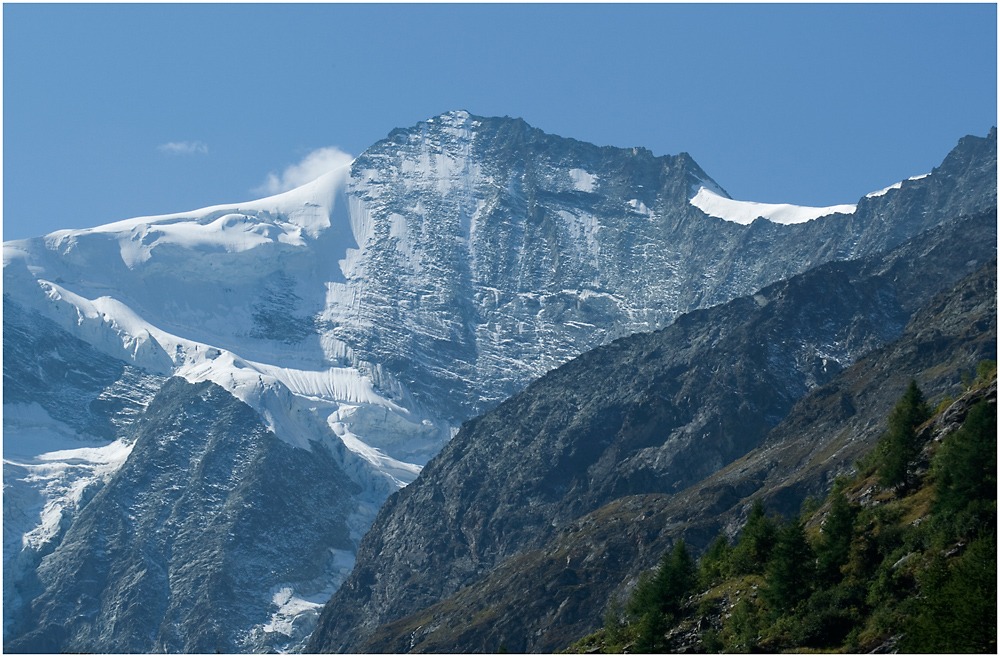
(358, 319)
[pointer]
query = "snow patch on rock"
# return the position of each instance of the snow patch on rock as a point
(582, 180)
(745, 212)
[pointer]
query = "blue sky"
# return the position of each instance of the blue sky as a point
(114, 111)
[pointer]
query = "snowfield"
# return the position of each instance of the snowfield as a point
(899, 185)
(745, 212)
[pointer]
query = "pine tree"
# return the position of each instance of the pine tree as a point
(755, 544)
(657, 599)
(898, 445)
(715, 562)
(966, 465)
(834, 546)
(665, 591)
(651, 631)
(791, 568)
(675, 578)
(957, 611)
(644, 598)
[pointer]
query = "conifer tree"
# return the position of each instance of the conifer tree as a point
(657, 599)
(645, 597)
(957, 611)
(834, 546)
(791, 568)
(675, 578)
(966, 464)
(755, 544)
(898, 445)
(715, 562)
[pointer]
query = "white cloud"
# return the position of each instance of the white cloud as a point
(183, 147)
(314, 165)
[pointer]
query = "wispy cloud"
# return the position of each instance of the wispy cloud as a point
(183, 147)
(314, 165)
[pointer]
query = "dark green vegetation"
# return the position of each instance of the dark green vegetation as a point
(902, 555)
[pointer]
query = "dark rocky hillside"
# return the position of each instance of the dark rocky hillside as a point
(649, 414)
(907, 566)
(74, 382)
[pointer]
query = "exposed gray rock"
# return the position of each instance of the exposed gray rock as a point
(489, 263)
(542, 599)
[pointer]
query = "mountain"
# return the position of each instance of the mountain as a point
(361, 319)
(464, 559)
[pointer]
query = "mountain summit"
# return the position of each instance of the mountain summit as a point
(204, 411)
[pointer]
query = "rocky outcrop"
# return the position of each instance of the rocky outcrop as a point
(495, 252)
(364, 316)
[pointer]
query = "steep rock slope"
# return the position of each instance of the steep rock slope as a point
(651, 413)
(65, 407)
(199, 517)
(365, 315)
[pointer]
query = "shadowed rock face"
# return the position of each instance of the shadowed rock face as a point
(199, 518)
(72, 381)
(651, 413)
(543, 599)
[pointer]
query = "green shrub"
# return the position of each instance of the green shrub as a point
(742, 632)
(711, 642)
(829, 616)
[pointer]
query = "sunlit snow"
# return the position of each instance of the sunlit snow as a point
(745, 212)
(47, 468)
(883, 192)
(582, 181)
(174, 295)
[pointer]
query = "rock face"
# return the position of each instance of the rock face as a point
(649, 414)
(200, 517)
(362, 318)
(496, 251)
